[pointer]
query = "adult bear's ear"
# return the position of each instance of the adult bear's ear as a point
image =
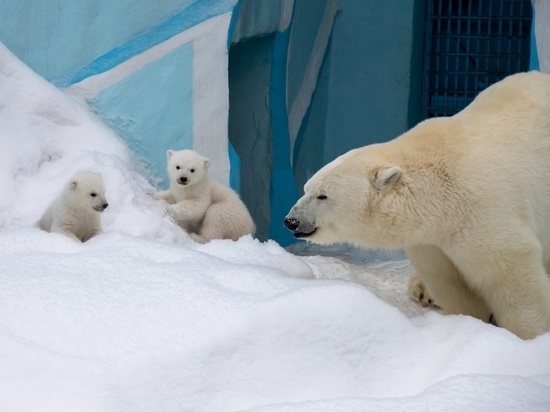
(206, 162)
(386, 177)
(169, 153)
(74, 184)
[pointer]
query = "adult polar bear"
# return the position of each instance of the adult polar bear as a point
(467, 197)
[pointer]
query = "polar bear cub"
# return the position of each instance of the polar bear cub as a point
(467, 197)
(75, 212)
(201, 205)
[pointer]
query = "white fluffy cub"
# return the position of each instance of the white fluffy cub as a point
(75, 212)
(202, 206)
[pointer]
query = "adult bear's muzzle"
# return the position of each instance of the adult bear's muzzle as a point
(299, 229)
(291, 223)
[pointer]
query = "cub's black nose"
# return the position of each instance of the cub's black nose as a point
(292, 223)
(183, 179)
(105, 205)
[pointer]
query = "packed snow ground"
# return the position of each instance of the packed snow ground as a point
(141, 318)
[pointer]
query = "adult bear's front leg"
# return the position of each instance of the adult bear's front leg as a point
(513, 282)
(445, 284)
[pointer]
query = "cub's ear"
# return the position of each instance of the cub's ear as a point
(386, 177)
(169, 153)
(74, 184)
(206, 162)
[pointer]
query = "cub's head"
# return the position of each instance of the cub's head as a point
(343, 201)
(88, 191)
(186, 167)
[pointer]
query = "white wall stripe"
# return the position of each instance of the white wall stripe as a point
(299, 106)
(94, 85)
(211, 97)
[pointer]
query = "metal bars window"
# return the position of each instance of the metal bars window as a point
(469, 45)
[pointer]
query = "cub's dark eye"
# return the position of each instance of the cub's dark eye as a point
(93, 194)
(321, 197)
(177, 167)
(192, 170)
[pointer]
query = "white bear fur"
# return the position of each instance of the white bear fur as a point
(202, 206)
(467, 197)
(76, 211)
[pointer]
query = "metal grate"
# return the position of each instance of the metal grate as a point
(469, 45)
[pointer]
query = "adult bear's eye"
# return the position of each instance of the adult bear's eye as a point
(93, 194)
(177, 167)
(192, 170)
(321, 197)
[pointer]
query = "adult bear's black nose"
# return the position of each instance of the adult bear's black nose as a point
(292, 223)
(105, 205)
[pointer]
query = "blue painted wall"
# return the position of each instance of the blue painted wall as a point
(306, 19)
(308, 153)
(58, 36)
(152, 110)
(369, 83)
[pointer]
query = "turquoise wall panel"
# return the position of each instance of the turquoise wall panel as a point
(56, 36)
(152, 109)
(370, 74)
